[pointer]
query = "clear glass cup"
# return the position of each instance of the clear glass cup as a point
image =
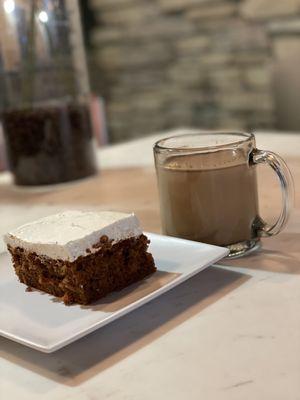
(44, 92)
(208, 189)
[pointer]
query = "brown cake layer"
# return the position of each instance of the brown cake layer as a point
(112, 267)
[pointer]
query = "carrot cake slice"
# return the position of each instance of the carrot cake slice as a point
(80, 256)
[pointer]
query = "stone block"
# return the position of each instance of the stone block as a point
(212, 10)
(260, 76)
(133, 127)
(265, 9)
(242, 100)
(239, 35)
(229, 78)
(109, 56)
(284, 27)
(210, 26)
(193, 44)
(187, 73)
(135, 15)
(118, 108)
(134, 57)
(148, 101)
(180, 5)
(162, 28)
(106, 35)
(250, 58)
(142, 80)
(216, 59)
(112, 4)
(158, 29)
(245, 120)
(177, 115)
(231, 122)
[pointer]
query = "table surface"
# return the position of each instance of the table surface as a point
(231, 332)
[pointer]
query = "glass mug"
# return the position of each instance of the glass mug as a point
(208, 189)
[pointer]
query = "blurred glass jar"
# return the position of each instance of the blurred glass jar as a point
(44, 92)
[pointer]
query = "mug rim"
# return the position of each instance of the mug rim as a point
(247, 136)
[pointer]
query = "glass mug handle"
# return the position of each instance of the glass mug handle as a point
(287, 190)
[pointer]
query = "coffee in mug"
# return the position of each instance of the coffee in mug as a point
(208, 189)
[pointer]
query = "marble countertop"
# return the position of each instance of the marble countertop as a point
(231, 332)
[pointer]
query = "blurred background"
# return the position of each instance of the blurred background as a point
(155, 65)
(161, 64)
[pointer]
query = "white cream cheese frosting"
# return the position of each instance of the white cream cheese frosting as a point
(71, 234)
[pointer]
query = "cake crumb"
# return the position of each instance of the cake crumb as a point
(104, 240)
(67, 299)
(29, 289)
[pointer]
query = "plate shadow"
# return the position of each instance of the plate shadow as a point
(135, 292)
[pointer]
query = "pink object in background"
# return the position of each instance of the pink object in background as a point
(98, 120)
(3, 162)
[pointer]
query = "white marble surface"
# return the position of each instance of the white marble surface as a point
(228, 333)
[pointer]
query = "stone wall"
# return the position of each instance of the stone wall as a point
(162, 64)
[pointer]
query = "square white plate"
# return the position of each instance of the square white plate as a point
(40, 321)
